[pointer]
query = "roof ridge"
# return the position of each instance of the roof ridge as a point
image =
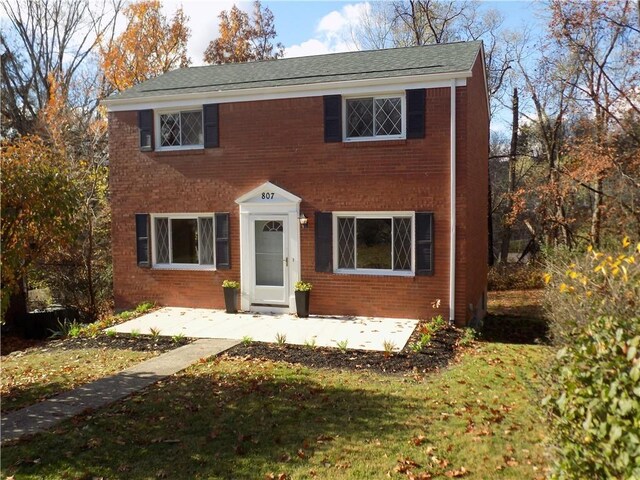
(350, 52)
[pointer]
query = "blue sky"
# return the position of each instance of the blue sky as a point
(312, 27)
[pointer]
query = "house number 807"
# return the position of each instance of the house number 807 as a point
(267, 195)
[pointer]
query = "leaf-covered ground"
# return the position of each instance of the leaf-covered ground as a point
(253, 418)
(52, 367)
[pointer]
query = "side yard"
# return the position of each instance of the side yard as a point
(251, 417)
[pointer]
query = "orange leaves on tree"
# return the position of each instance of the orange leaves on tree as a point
(38, 204)
(149, 46)
(243, 38)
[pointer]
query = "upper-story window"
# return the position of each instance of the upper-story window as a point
(181, 129)
(375, 118)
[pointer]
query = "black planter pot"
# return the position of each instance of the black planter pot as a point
(231, 299)
(302, 304)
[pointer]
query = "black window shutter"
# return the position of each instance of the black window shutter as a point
(324, 242)
(143, 240)
(210, 125)
(223, 256)
(332, 118)
(424, 243)
(145, 124)
(415, 112)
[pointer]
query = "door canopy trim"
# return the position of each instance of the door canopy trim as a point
(268, 194)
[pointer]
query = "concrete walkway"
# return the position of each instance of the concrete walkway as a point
(364, 333)
(104, 391)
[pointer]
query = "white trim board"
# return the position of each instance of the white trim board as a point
(351, 87)
(268, 199)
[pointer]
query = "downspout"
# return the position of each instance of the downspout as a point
(452, 207)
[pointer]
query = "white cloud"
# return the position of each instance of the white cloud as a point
(333, 33)
(203, 22)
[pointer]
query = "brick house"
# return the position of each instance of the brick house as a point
(339, 170)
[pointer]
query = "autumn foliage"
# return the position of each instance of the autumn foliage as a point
(39, 201)
(243, 38)
(149, 46)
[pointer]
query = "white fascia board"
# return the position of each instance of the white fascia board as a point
(351, 87)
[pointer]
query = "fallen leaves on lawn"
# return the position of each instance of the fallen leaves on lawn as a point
(406, 464)
(417, 441)
(279, 476)
(460, 472)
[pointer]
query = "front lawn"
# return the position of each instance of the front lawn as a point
(252, 418)
(56, 366)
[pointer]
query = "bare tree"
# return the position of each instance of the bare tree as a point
(50, 46)
(423, 22)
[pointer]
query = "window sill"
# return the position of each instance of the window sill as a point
(203, 268)
(374, 143)
(166, 152)
(375, 273)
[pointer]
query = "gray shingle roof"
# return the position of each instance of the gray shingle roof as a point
(335, 67)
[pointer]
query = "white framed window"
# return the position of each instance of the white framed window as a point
(374, 118)
(179, 129)
(375, 243)
(183, 241)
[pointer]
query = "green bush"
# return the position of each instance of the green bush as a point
(596, 405)
(515, 276)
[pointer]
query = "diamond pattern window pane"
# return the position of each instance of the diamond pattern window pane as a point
(205, 240)
(402, 243)
(360, 117)
(170, 130)
(346, 235)
(162, 240)
(388, 116)
(191, 128)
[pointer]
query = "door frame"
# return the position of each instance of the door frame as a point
(268, 199)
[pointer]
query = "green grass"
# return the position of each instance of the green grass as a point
(43, 372)
(240, 418)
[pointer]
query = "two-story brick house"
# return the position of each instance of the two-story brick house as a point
(364, 173)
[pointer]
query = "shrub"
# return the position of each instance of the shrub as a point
(595, 394)
(596, 405)
(515, 276)
(582, 288)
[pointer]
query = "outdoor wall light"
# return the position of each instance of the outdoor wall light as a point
(303, 220)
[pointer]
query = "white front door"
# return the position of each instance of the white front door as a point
(269, 241)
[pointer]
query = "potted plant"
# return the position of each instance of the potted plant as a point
(302, 298)
(230, 288)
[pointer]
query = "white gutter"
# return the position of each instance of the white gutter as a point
(289, 91)
(452, 207)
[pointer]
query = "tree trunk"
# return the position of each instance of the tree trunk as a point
(596, 214)
(511, 186)
(17, 308)
(89, 266)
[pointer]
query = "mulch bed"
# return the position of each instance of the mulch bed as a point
(138, 344)
(438, 354)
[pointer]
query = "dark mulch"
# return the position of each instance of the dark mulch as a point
(138, 344)
(515, 329)
(438, 354)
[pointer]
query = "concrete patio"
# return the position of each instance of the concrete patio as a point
(362, 333)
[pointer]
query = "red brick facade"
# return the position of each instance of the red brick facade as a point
(281, 141)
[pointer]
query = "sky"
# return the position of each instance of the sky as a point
(311, 27)
(319, 27)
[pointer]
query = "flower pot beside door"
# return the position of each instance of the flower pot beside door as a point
(302, 291)
(231, 288)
